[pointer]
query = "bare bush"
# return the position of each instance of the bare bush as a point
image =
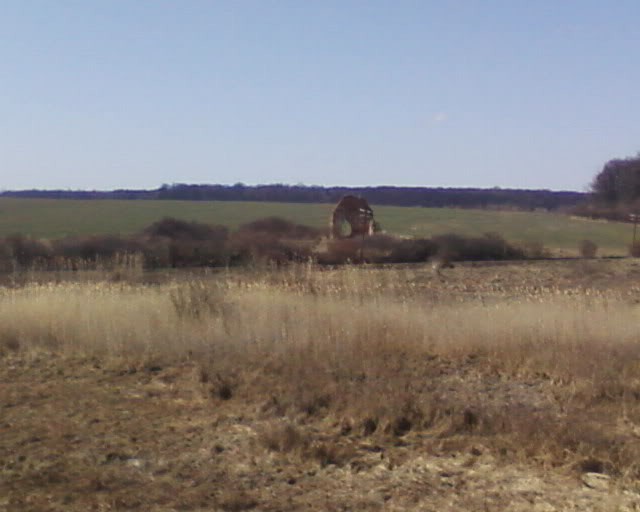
(179, 243)
(175, 243)
(490, 246)
(282, 228)
(175, 229)
(414, 250)
(262, 248)
(342, 250)
(27, 251)
(273, 240)
(533, 250)
(588, 249)
(382, 248)
(93, 248)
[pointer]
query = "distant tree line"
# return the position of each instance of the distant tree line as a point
(384, 195)
(615, 191)
(618, 182)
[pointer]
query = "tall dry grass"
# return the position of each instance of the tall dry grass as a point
(551, 376)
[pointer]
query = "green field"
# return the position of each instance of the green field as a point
(50, 218)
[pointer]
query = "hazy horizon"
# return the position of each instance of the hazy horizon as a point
(116, 94)
(273, 184)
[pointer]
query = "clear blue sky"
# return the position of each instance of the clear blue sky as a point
(103, 94)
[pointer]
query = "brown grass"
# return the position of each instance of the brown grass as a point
(536, 368)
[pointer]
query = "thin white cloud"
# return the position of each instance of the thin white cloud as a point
(440, 117)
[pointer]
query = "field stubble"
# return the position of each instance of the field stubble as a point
(311, 389)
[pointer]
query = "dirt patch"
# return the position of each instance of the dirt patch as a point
(82, 434)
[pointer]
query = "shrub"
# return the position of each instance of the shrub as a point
(281, 228)
(6, 256)
(272, 240)
(174, 229)
(490, 246)
(26, 251)
(172, 242)
(264, 247)
(588, 249)
(182, 252)
(340, 251)
(381, 248)
(378, 248)
(178, 243)
(92, 248)
(413, 250)
(534, 249)
(155, 251)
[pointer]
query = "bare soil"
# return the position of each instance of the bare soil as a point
(81, 434)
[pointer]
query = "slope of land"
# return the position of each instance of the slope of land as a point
(56, 218)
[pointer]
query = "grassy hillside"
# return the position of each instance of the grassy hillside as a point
(55, 218)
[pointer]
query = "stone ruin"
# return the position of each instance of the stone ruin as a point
(356, 213)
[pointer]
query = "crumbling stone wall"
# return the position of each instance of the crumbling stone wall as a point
(357, 213)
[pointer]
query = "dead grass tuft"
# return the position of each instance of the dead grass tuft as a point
(283, 437)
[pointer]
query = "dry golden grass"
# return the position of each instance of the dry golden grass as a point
(536, 364)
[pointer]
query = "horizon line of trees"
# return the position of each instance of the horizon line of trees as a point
(615, 191)
(494, 198)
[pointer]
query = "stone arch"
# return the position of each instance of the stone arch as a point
(357, 213)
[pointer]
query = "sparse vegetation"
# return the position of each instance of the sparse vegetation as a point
(306, 370)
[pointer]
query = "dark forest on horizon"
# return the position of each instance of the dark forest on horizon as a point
(497, 198)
